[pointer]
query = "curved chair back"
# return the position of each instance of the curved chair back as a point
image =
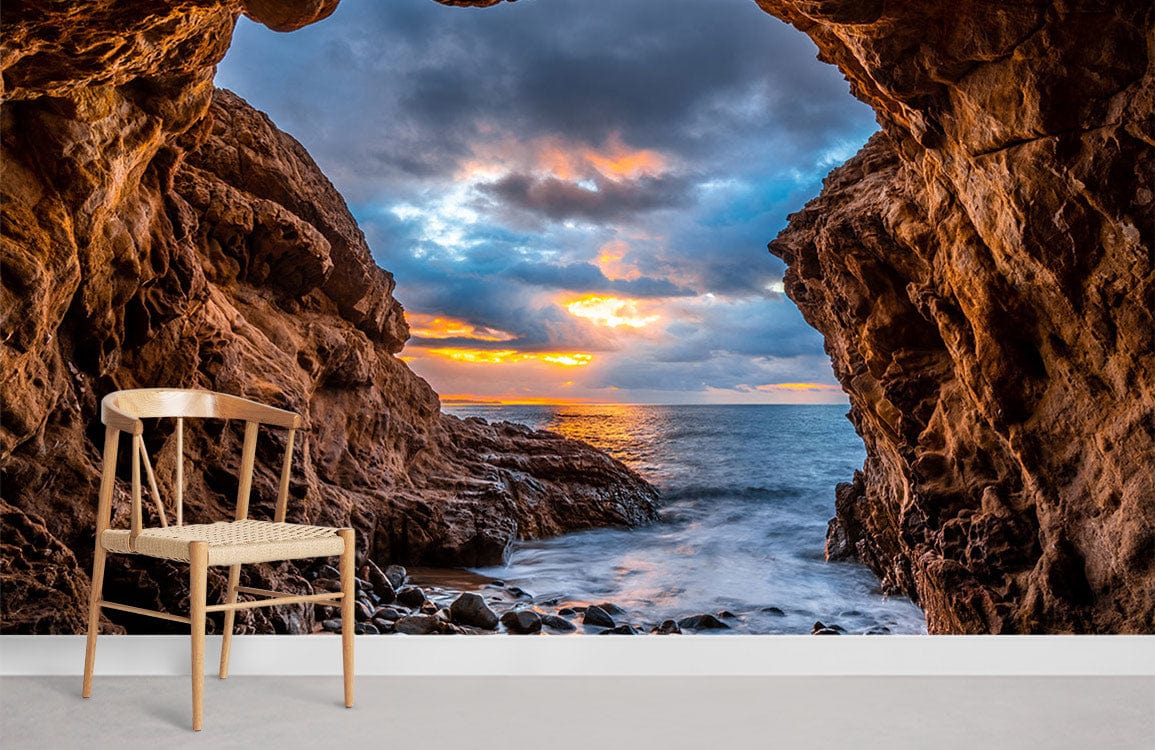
(125, 409)
(122, 411)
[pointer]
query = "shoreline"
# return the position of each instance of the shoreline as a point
(458, 601)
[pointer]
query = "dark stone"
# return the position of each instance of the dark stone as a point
(333, 626)
(554, 622)
(382, 586)
(362, 611)
(567, 611)
(820, 629)
(396, 575)
(411, 597)
(367, 628)
(611, 608)
(668, 627)
(327, 584)
(595, 615)
(702, 622)
(620, 630)
(775, 611)
(726, 614)
(471, 609)
(878, 630)
(522, 621)
(428, 608)
(520, 593)
(419, 625)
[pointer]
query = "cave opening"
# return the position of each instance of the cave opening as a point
(575, 204)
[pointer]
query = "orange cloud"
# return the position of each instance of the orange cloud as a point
(506, 356)
(618, 160)
(557, 157)
(441, 327)
(466, 399)
(611, 312)
(797, 387)
(612, 261)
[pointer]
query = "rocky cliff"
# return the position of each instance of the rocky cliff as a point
(157, 231)
(983, 274)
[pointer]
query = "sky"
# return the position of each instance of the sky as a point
(574, 196)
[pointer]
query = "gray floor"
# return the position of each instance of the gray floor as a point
(585, 712)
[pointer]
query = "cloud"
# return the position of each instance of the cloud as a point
(597, 198)
(504, 163)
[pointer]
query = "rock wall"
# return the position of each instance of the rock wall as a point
(983, 274)
(157, 231)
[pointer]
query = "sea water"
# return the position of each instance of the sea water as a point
(747, 492)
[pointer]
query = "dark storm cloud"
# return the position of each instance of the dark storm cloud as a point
(584, 277)
(603, 199)
(411, 84)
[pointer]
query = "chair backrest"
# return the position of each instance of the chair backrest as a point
(123, 411)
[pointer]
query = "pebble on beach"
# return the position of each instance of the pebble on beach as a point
(620, 630)
(702, 622)
(595, 615)
(382, 586)
(522, 621)
(419, 625)
(411, 597)
(396, 575)
(553, 622)
(471, 609)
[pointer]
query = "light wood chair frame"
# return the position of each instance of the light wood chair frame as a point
(123, 412)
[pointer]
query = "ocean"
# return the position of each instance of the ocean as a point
(746, 495)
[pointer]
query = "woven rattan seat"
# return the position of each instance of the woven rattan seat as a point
(230, 543)
(241, 541)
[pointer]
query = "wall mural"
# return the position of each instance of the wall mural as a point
(583, 398)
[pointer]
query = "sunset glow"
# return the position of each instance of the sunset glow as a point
(507, 356)
(441, 327)
(612, 262)
(611, 312)
(798, 387)
(456, 399)
(618, 160)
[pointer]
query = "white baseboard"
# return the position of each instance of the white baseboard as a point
(597, 655)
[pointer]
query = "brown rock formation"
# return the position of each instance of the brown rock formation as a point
(158, 232)
(983, 274)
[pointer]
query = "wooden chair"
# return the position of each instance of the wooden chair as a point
(235, 543)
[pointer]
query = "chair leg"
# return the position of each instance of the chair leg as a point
(198, 593)
(230, 619)
(348, 588)
(94, 596)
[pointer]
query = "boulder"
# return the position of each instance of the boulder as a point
(596, 616)
(522, 621)
(471, 609)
